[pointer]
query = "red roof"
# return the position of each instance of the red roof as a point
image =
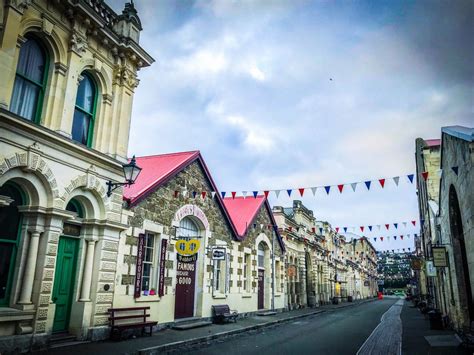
(242, 211)
(156, 169)
(433, 142)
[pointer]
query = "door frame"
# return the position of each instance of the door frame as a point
(73, 283)
(194, 290)
(262, 288)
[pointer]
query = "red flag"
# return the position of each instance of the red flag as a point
(425, 175)
(313, 230)
(301, 190)
(203, 194)
(361, 228)
(337, 229)
(290, 228)
(340, 187)
(233, 194)
(401, 237)
(176, 193)
(413, 222)
(266, 193)
(382, 182)
(387, 226)
(381, 238)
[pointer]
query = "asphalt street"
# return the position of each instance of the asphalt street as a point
(335, 332)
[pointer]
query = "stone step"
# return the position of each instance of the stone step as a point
(266, 313)
(191, 325)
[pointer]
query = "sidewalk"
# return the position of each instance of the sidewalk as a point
(170, 339)
(418, 338)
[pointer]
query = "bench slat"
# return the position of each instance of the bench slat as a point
(129, 317)
(128, 309)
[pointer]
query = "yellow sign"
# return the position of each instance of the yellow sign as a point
(187, 247)
(338, 289)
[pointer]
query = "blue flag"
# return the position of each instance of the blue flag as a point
(367, 183)
(396, 225)
(410, 177)
(327, 188)
(370, 228)
(455, 169)
(289, 192)
(255, 193)
(223, 194)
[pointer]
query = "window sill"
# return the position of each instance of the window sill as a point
(246, 295)
(219, 296)
(154, 298)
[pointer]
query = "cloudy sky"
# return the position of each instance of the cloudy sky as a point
(289, 94)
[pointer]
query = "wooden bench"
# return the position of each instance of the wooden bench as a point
(222, 313)
(129, 318)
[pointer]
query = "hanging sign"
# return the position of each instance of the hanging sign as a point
(139, 270)
(187, 247)
(430, 268)
(161, 283)
(439, 257)
(218, 254)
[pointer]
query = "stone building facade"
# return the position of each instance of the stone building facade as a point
(175, 199)
(456, 226)
(69, 70)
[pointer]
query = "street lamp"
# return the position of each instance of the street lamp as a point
(130, 172)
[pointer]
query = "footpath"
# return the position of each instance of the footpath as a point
(169, 340)
(418, 338)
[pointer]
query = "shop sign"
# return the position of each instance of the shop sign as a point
(185, 270)
(187, 247)
(439, 257)
(416, 263)
(291, 271)
(190, 210)
(430, 269)
(187, 258)
(72, 230)
(139, 270)
(161, 284)
(218, 254)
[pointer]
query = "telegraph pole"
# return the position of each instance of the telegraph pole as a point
(273, 269)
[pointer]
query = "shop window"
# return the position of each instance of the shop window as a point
(220, 275)
(10, 221)
(30, 81)
(148, 279)
(84, 112)
(247, 274)
(261, 255)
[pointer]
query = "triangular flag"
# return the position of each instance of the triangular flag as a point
(362, 228)
(425, 175)
(404, 224)
(255, 193)
(277, 193)
(320, 230)
(327, 188)
(223, 194)
(413, 222)
(388, 238)
(290, 228)
(395, 237)
(184, 193)
(176, 194)
(301, 190)
(313, 229)
(354, 185)
(266, 192)
(203, 194)
(381, 238)
(382, 182)
(401, 237)
(375, 239)
(396, 179)
(378, 226)
(396, 225)
(244, 193)
(387, 226)
(233, 193)
(409, 249)
(410, 177)
(367, 183)
(337, 229)
(455, 169)
(213, 194)
(255, 226)
(422, 222)
(345, 229)
(289, 192)
(340, 187)
(313, 190)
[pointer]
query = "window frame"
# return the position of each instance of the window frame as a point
(92, 115)
(247, 272)
(152, 276)
(4, 302)
(42, 86)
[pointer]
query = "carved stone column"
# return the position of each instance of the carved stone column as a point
(87, 275)
(30, 268)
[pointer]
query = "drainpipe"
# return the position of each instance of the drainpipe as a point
(273, 270)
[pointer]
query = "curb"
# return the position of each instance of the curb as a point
(193, 341)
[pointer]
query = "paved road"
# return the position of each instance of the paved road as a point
(341, 332)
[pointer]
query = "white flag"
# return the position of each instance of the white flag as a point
(378, 226)
(244, 193)
(277, 193)
(396, 179)
(354, 185)
(405, 224)
(213, 193)
(314, 189)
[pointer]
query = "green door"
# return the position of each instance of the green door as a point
(64, 282)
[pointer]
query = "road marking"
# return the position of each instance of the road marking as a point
(386, 338)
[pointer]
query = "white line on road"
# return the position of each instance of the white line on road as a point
(386, 338)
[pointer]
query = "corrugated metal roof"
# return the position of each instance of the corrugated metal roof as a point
(433, 142)
(242, 211)
(461, 132)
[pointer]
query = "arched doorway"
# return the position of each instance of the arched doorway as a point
(460, 256)
(186, 272)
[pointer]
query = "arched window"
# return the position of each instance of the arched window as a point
(84, 113)
(30, 81)
(75, 206)
(187, 228)
(10, 220)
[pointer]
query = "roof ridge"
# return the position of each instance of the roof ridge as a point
(169, 154)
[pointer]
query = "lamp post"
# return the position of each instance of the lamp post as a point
(130, 172)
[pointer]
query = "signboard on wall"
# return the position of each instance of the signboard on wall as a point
(439, 257)
(430, 269)
(139, 270)
(218, 254)
(161, 283)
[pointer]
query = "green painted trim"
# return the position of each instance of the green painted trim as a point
(77, 206)
(91, 115)
(5, 302)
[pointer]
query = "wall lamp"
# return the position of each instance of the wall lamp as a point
(130, 171)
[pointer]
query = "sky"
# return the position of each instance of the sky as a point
(290, 94)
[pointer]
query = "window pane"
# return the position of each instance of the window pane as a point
(86, 95)
(25, 98)
(80, 127)
(9, 215)
(32, 60)
(6, 251)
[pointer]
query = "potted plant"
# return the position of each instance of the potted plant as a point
(152, 292)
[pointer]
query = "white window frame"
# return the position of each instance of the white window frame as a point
(153, 273)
